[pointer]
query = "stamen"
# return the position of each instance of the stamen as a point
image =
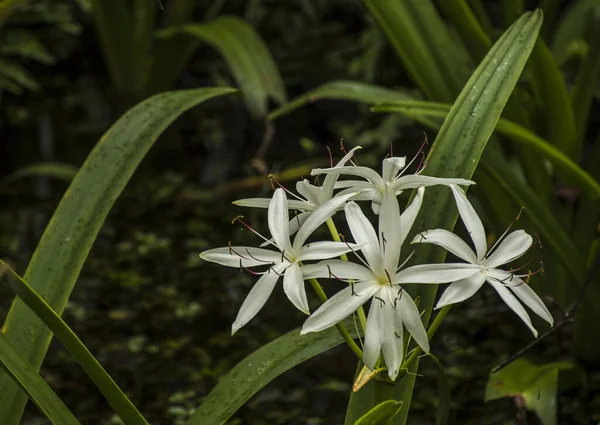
(397, 336)
(524, 265)
(343, 238)
(383, 240)
(399, 297)
(407, 259)
(231, 250)
(239, 219)
(353, 160)
(391, 149)
(330, 157)
(389, 278)
(425, 143)
(380, 300)
(272, 178)
(503, 234)
(274, 271)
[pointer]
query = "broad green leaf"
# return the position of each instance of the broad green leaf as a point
(64, 246)
(117, 399)
(382, 414)
(258, 369)
(430, 55)
(572, 26)
(588, 210)
(56, 170)
(125, 32)
(36, 388)
(456, 153)
(536, 385)
(443, 391)
(553, 99)
(342, 90)
(469, 29)
(566, 167)
(246, 54)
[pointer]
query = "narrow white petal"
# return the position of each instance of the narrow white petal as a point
(471, 220)
(364, 235)
(524, 292)
(264, 203)
(389, 226)
(364, 172)
(293, 286)
(512, 247)
(373, 332)
(461, 290)
(411, 318)
(241, 256)
(354, 183)
(278, 221)
(337, 269)
(376, 202)
(363, 194)
(294, 225)
(392, 334)
(340, 306)
(331, 179)
(449, 241)
(257, 297)
(408, 217)
(412, 181)
(318, 217)
(391, 167)
(513, 303)
(435, 273)
(310, 192)
(324, 250)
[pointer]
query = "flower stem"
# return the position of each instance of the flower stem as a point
(336, 237)
(430, 332)
(341, 329)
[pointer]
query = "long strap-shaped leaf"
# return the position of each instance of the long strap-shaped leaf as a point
(246, 54)
(117, 399)
(258, 369)
(64, 246)
(456, 153)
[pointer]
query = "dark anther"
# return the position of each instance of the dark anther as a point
(380, 300)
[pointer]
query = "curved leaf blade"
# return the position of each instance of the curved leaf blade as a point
(63, 248)
(261, 367)
(56, 170)
(382, 414)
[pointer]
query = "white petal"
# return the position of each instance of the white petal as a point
(264, 203)
(449, 241)
(294, 225)
(461, 290)
(512, 302)
(471, 220)
(373, 332)
(354, 183)
(340, 306)
(376, 203)
(363, 194)
(331, 179)
(522, 290)
(435, 273)
(512, 247)
(389, 226)
(278, 221)
(293, 286)
(411, 318)
(258, 296)
(412, 181)
(391, 167)
(324, 250)
(310, 192)
(318, 217)
(337, 269)
(364, 235)
(364, 172)
(392, 334)
(241, 256)
(409, 215)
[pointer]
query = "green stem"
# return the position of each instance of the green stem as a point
(336, 237)
(117, 399)
(342, 330)
(430, 332)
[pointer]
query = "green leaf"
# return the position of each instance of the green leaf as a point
(382, 414)
(431, 56)
(18, 74)
(553, 98)
(56, 170)
(421, 111)
(342, 90)
(512, 10)
(571, 27)
(258, 369)
(536, 386)
(443, 391)
(247, 56)
(38, 391)
(456, 153)
(117, 399)
(63, 248)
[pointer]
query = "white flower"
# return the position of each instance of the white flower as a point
(392, 308)
(285, 261)
(507, 249)
(374, 188)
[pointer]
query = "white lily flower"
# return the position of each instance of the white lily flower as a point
(374, 187)
(392, 308)
(487, 263)
(284, 261)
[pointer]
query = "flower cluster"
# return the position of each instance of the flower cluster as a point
(379, 276)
